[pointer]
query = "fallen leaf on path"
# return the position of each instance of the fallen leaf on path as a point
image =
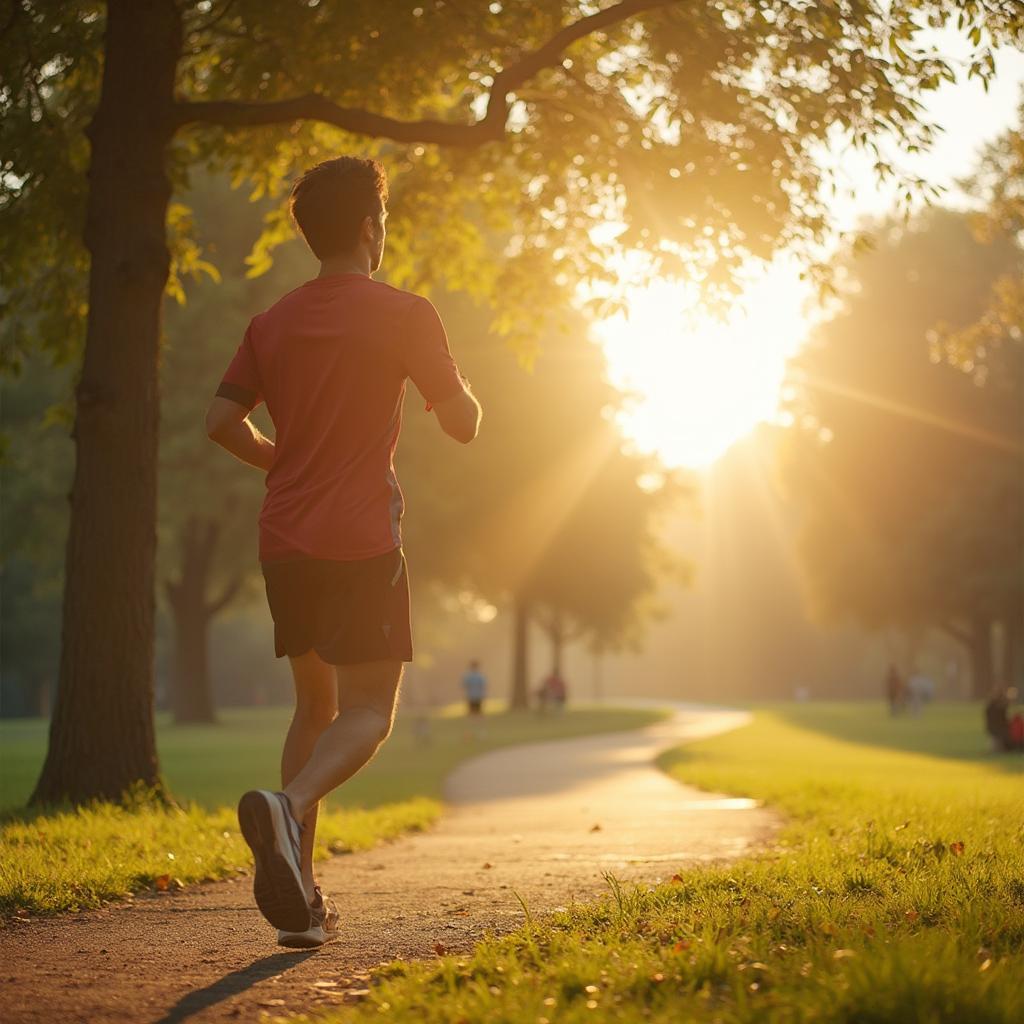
(487, 865)
(595, 827)
(323, 983)
(677, 878)
(440, 948)
(270, 1002)
(956, 849)
(162, 883)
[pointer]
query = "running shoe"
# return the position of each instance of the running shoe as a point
(323, 925)
(275, 838)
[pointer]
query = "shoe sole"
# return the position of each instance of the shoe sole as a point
(306, 940)
(277, 885)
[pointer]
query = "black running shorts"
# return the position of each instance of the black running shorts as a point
(348, 612)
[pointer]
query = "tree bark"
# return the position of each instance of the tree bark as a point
(101, 735)
(557, 633)
(980, 650)
(520, 698)
(191, 694)
(1013, 643)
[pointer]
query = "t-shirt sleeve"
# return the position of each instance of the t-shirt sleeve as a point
(428, 361)
(241, 380)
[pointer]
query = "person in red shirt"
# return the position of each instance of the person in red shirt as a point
(331, 360)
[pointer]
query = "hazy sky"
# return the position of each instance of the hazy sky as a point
(970, 118)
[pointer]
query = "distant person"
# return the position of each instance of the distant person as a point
(331, 360)
(1016, 732)
(920, 690)
(895, 691)
(997, 718)
(554, 691)
(474, 686)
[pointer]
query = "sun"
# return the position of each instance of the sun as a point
(694, 384)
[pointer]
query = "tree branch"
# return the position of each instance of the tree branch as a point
(490, 128)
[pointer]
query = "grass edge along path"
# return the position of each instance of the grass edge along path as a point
(895, 894)
(79, 859)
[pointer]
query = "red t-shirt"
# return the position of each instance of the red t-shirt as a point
(330, 359)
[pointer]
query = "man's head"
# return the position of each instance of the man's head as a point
(339, 206)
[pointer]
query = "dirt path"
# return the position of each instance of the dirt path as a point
(544, 821)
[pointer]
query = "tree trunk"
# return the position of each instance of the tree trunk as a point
(1013, 641)
(520, 699)
(191, 697)
(101, 736)
(980, 649)
(557, 633)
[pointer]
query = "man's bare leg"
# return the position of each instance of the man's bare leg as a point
(367, 695)
(316, 704)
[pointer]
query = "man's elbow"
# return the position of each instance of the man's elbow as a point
(467, 430)
(216, 425)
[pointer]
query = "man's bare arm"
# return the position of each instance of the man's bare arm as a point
(228, 424)
(459, 416)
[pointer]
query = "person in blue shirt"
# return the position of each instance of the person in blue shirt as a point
(474, 685)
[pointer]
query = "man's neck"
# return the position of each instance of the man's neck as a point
(352, 263)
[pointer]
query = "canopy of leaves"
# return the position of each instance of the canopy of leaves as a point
(511, 130)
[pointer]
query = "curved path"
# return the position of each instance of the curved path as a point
(543, 822)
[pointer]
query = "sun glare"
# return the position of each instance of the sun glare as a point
(695, 384)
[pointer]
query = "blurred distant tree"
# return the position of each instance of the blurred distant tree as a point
(990, 349)
(599, 575)
(697, 125)
(544, 512)
(35, 472)
(908, 473)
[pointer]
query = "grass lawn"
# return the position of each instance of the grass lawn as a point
(78, 859)
(895, 894)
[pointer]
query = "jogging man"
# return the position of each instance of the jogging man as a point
(330, 360)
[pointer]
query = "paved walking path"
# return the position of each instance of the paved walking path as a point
(546, 821)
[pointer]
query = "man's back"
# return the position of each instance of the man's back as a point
(330, 360)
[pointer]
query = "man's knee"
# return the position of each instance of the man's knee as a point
(316, 711)
(372, 688)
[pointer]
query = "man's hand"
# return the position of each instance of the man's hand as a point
(228, 424)
(459, 416)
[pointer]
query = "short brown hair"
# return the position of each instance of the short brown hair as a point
(331, 200)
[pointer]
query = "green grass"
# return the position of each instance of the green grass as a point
(78, 859)
(895, 894)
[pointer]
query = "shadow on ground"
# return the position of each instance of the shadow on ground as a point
(232, 984)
